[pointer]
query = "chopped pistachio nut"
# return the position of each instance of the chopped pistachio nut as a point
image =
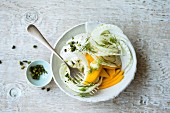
(43, 88)
(13, 47)
(22, 67)
(35, 46)
(21, 63)
(36, 71)
(48, 89)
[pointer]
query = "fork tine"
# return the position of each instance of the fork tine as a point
(94, 91)
(76, 81)
(91, 93)
(77, 78)
(80, 75)
(97, 88)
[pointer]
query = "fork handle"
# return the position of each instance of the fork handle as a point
(37, 35)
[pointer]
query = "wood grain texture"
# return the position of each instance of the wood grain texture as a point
(145, 22)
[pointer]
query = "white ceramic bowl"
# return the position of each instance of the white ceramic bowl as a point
(44, 78)
(102, 95)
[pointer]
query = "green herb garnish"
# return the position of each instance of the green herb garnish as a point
(106, 42)
(91, 69)
(113, 40)
(73, 48)
(83, 89)
(105, 32)
(84, 94)
(88, 47)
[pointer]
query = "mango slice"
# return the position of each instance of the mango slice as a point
(91, 77)
(112, 83)
(108, 67)
(110, 71)
(103, 73)
(116, 78)
(89, 59)
(111, 76)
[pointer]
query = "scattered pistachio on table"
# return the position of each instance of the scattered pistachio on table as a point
(29, 62)
(13, 47)
(48, 89)
(25, 61)
(43, 88)
(22, 67)
(35, 46)
(22, 63)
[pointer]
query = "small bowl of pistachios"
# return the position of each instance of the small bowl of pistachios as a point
(38, 73)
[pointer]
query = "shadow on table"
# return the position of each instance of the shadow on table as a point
(141, 75)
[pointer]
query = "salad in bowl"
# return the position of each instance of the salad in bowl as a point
(104, 57)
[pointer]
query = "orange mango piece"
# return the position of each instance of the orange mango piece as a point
(112, 81)
(111, 76)
(89, 59)
(91, 77)
(110, 71)
(108, 67)
(103, 73)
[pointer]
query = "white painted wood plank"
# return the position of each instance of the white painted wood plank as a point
(146, 23)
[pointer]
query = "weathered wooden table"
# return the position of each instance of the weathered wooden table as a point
(146, 23)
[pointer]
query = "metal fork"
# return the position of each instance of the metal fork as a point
(37, 35)
(79, 77)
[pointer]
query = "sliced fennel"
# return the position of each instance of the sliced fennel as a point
(126, 58)
(106, 44)
(72, 83)
(103, 27)
(102, 46)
